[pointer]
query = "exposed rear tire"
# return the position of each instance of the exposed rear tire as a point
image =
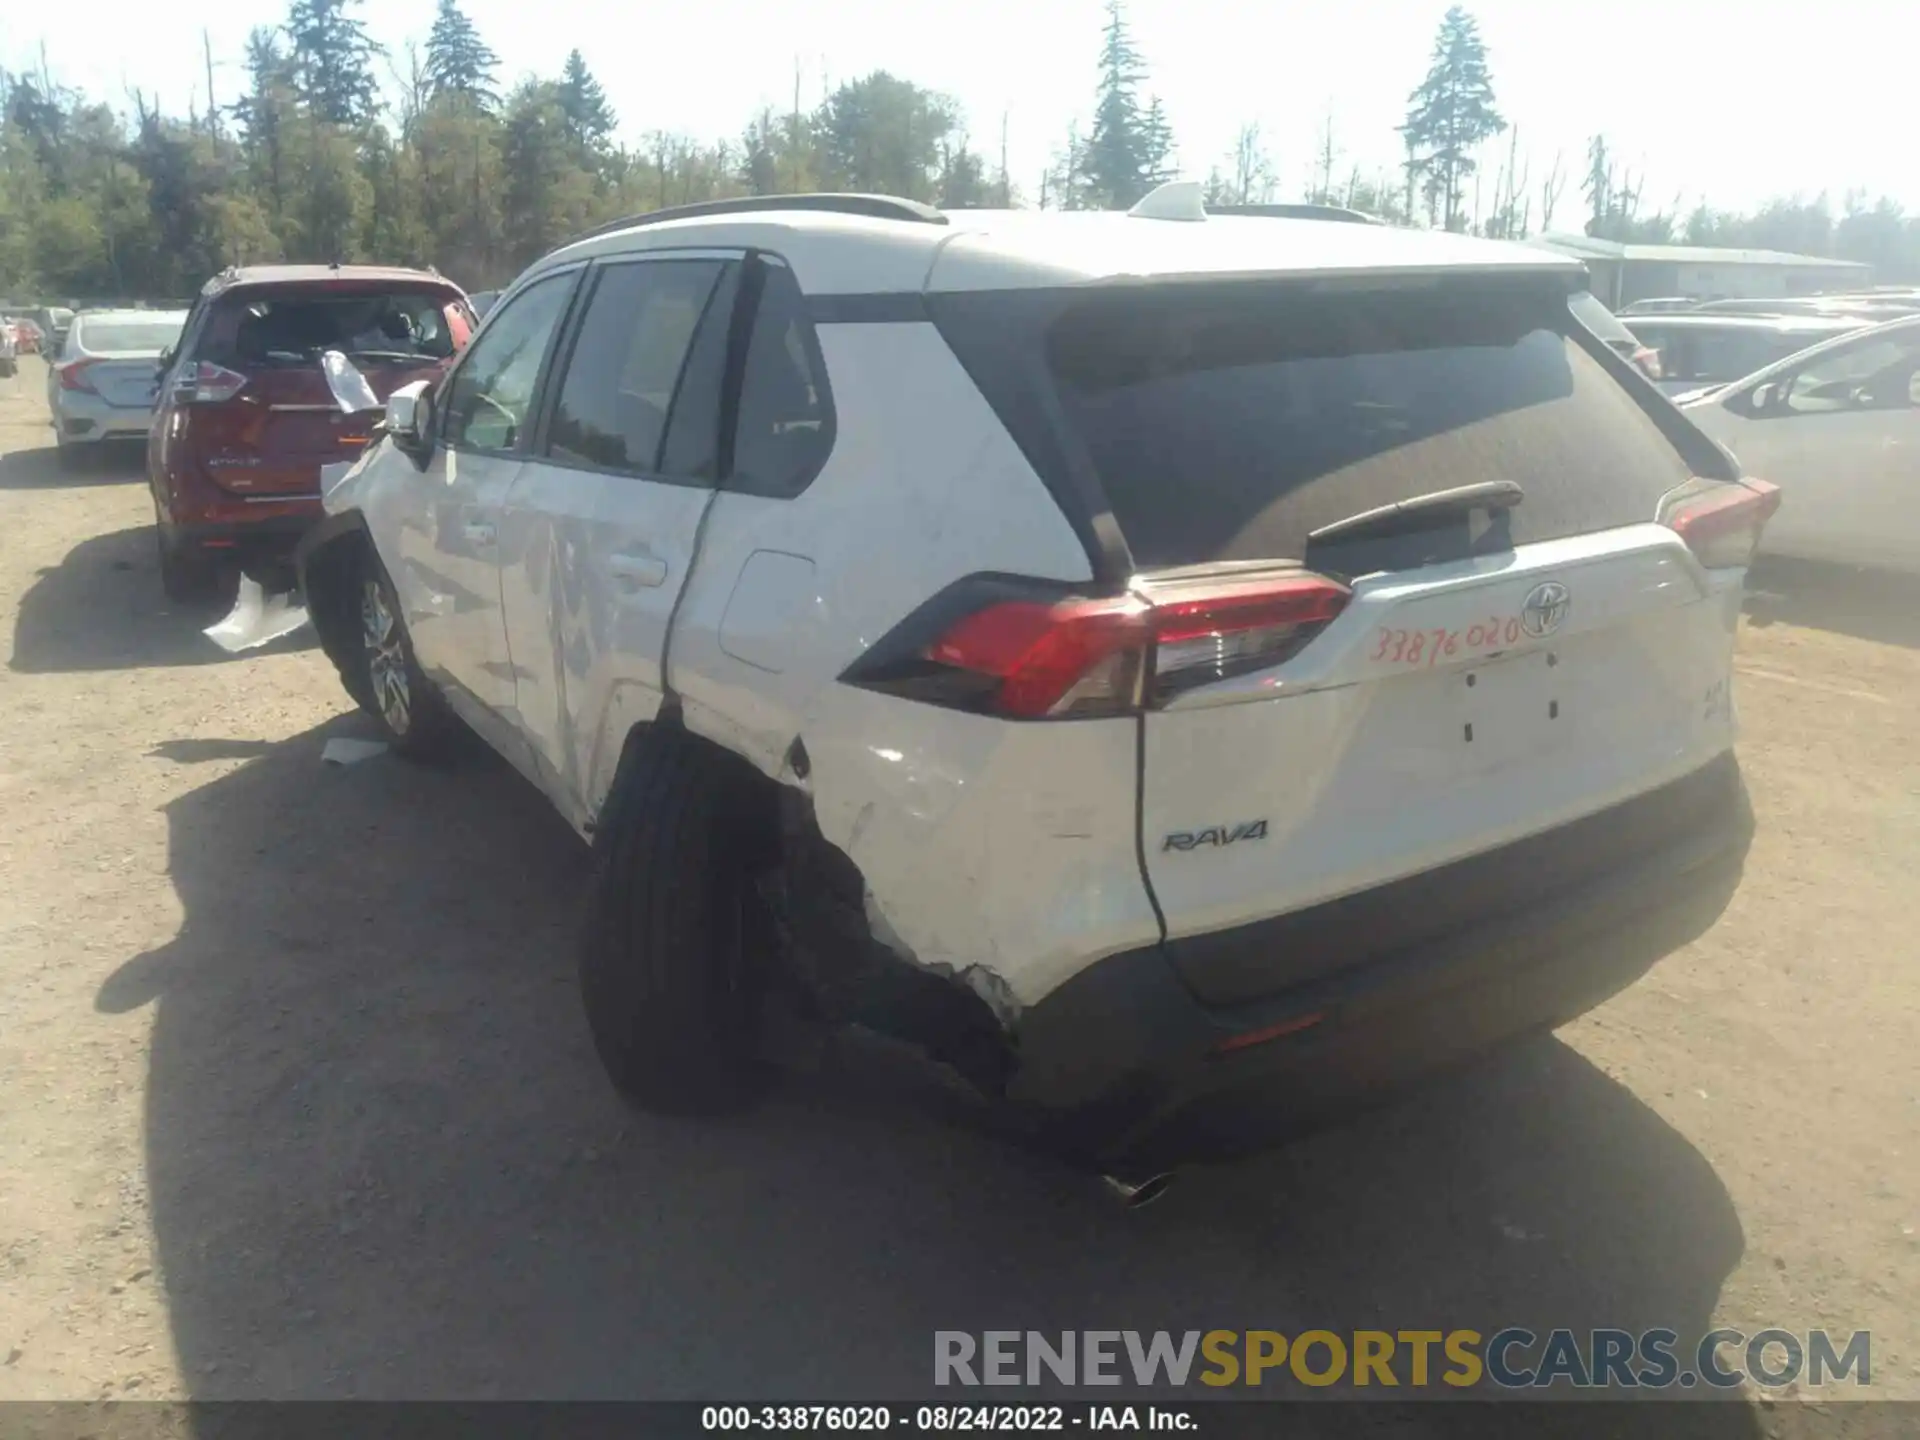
(677, 938)
(412, 716)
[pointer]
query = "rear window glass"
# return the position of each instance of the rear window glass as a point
(137, 337)
(292, 327)
(1228, 426)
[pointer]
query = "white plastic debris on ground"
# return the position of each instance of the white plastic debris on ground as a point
(342, 750)
(256, 619)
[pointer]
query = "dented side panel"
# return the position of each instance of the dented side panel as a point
(1000, 855)
(924, 486)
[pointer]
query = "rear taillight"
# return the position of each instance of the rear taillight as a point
(1068, 658)
(205, 383)
(1721, 521)
(73, 376)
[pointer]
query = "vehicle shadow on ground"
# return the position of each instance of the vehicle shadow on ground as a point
(383, 1162)
(1867, 604)
(101, 608)
(41, 469)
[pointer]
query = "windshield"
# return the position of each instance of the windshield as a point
(293, 327)
(130, 336)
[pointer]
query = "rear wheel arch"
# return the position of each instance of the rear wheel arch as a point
(829, 960)
(330, 560)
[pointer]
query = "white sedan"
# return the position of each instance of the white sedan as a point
(1837, 428)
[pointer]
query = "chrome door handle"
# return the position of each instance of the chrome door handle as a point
(480, 532)
(639, 571)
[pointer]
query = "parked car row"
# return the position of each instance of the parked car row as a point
(21, 335)
(100, 388)
(1820, 397)
(1837, 427)
(1694, 351)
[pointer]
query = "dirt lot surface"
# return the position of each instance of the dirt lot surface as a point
(296, 1099)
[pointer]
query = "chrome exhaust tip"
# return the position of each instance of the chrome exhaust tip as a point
(1133, 1194)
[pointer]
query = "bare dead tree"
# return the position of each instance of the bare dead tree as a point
(213, 109)
(1253, 179)
(409, 72)
(1552, 188)
(1328, 154)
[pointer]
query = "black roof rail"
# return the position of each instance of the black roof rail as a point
(1299, 212)
(874, 207)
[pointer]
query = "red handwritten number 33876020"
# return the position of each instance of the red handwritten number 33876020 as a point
(1425, 647)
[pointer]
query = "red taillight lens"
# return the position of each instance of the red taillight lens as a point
(205, 383)
(1224, 629)
(1052, 659)
(1102, 657)
(1721, 521)
(73, 376)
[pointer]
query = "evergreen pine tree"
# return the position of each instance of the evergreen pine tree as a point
(583, 105)
(332, 60)
(458, 60)
(1450, 114)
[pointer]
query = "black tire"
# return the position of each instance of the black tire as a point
(404, 703)
(188, 579)
(673, 962)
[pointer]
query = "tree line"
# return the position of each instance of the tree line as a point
(336, 149)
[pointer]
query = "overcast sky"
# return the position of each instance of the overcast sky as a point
(1733, 102)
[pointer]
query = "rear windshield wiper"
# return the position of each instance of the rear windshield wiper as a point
(1421, 511)
(388, 354)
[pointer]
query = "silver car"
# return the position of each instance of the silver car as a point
(103, 385)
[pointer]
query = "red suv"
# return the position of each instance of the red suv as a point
(245, 420)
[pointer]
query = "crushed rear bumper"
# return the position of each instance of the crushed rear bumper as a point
(1124, 1069)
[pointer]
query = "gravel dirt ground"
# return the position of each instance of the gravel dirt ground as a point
(296, 1099)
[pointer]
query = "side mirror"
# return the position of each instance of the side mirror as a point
(409, 418)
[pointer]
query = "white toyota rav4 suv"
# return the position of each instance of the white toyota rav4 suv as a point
(1185, 673)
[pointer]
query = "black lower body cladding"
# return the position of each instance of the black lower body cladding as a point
(1123, 1067)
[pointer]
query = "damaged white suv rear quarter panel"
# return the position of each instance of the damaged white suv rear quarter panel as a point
(1001, 849)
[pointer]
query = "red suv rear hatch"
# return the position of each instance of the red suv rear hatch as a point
(260, 418)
